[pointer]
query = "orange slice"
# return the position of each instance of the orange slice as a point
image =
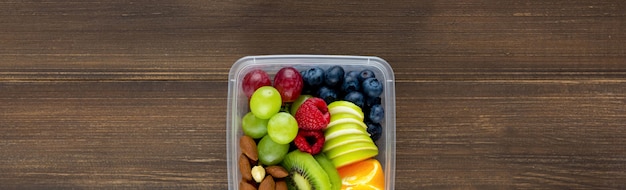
(364, 175)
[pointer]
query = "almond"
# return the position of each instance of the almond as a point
(248, 147)
(258, 173)
(246, 186)
(281, 185)
(277, 171)
(245, 168)
(267, 183)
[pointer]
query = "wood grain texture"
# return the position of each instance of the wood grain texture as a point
(490, 94)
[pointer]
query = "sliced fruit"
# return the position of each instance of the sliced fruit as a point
(340, 116)
(366, 174)
(345, 139)
(344, 103)
(344, 118)
(331, 171)
(346, 110)
(344, 129)
(304, 172)
(348, 148)
(354, 157)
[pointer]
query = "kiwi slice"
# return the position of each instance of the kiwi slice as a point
(304, 172)
(331, 171)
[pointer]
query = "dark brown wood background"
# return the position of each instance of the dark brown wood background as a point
(490, 94)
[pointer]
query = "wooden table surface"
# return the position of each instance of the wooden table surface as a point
(490, 94)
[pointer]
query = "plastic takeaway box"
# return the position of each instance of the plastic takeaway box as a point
(238, 102)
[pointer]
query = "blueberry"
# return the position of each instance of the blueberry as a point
(375, 130)
(376, 113)
(350, 83)
(314, 77)
(370, 101)
(365, 74)
(352, 74)
(306, 89)
(334, 76)
(372, 88)
(355, 97)
(329, 95)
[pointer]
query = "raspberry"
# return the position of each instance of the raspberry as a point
(313, 114)
(310, 141)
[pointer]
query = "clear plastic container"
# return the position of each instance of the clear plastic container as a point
(238, 102)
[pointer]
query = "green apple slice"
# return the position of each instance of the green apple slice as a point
(344, 120)
(345, 149)
(346, 110)
(344, 129)
(344, 103)
(345, 139)
(340, 116)
(354, 157)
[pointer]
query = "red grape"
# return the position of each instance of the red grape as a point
(288, 82)
(254, 80)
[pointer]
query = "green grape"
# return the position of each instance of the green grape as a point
(265, 102)
(270, 152)
(282, 128)
(296, 104)
(253, 126)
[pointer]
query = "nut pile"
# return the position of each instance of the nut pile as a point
(255, 176)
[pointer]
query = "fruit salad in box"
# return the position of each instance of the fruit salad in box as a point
(311, 122)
